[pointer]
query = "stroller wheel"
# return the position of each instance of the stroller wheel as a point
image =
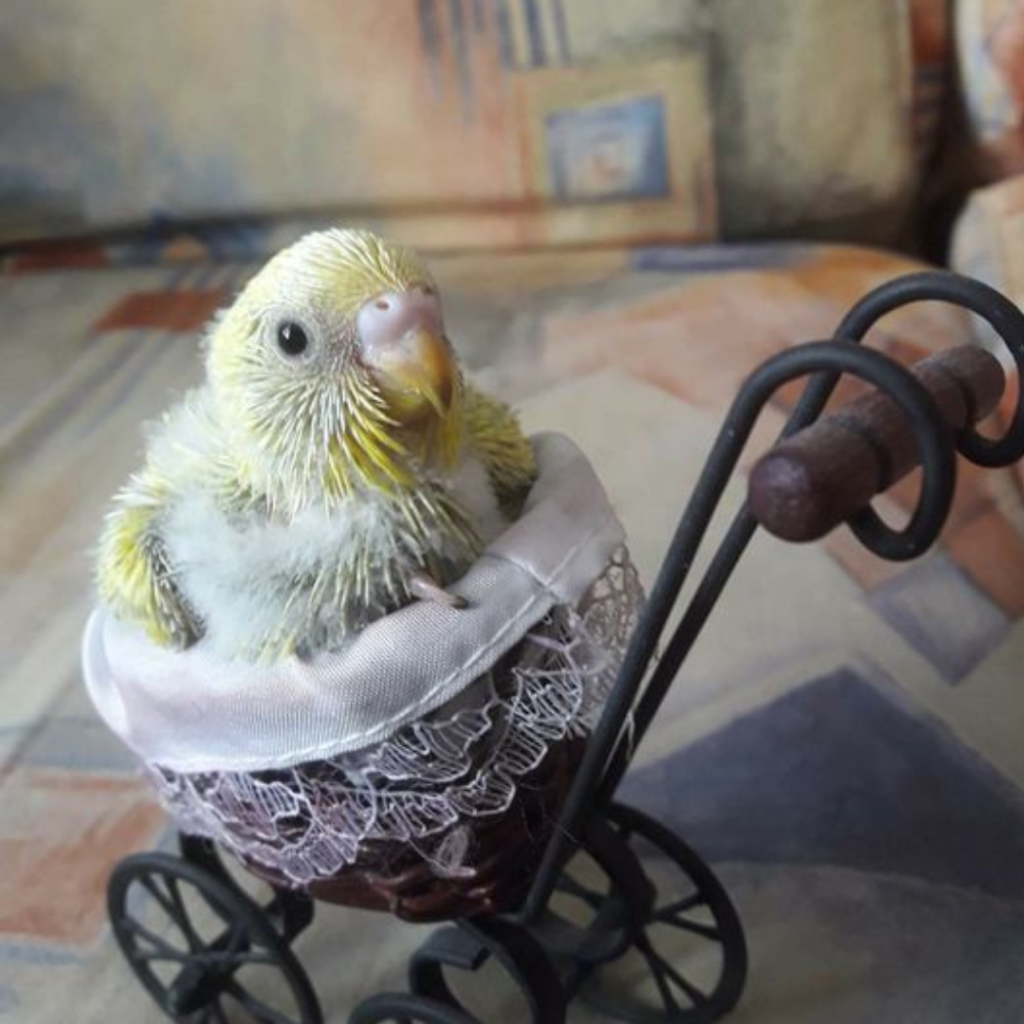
(204, 952)
(465, 948)
(405, 1008)
(686, 962)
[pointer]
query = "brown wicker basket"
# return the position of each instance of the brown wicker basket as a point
(501, 856)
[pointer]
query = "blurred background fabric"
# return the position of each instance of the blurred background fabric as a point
(628, 206)
(483, 123)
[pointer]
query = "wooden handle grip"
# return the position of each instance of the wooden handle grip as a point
(818, 478)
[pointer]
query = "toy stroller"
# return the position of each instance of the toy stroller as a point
(557, 890)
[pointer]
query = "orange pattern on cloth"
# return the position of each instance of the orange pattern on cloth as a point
(162, 311)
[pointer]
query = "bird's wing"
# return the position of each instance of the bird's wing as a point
(134, 576)
(494, 435)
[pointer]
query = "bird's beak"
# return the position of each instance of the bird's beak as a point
(417, 375)
(403, 344)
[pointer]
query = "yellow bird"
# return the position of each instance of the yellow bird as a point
(333, 466)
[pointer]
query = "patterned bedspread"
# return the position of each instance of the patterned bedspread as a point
(845, 744)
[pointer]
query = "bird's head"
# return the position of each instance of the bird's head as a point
(332, 370)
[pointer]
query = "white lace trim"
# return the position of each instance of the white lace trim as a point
(310, 821)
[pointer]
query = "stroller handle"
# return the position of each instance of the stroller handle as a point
(813, 481)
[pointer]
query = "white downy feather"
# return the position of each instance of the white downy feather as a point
(249, 579)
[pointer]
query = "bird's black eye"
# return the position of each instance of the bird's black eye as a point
(291, 339)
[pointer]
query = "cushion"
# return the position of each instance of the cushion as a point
(844, 742)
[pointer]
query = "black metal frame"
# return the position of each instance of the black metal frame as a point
(608, 750)
(549, 961)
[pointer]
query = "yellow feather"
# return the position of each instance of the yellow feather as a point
(493, 432)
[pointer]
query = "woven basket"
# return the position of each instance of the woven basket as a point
(502, 854)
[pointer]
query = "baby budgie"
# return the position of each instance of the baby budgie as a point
(333, 466)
